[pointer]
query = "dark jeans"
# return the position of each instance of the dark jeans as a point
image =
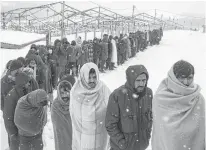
(13, 142)
(108, 63)
(31, 142)
(102, 65)
(121, 58)
(71, 66)
(96, 61)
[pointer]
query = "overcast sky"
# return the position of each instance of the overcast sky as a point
(191, 8)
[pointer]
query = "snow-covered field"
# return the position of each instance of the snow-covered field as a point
(18, 37)
(158, 59)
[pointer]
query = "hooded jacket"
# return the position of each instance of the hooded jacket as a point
(39, 74)
(61, 120)
(129, 115)
(6, 85)
(88, 111)
(179, 116)
(47, 83)
(31, 117)
(11, 101)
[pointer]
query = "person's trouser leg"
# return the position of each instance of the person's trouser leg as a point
(31, 142)
(75, 70)
(107, 63)
(37, 142)
(97, 61)
(25, 143)
(14, 142)
(102, 65)
(8, 140)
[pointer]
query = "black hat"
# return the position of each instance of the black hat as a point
(33, 46)
(15, 64)
(22, 59)
(183, 69)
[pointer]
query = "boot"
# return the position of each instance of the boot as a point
(111, 66)
(102, 71)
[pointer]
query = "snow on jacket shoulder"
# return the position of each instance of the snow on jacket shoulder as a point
(129, 116)
(30, 118)
(6, 86)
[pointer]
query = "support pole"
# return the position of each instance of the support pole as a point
(62, 25)
(4, 24)
(155, 16)
(115, 25)
(19, 22)
(94, 32)
(85, 36)
(99, 18)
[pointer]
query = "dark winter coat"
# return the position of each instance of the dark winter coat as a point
(97, 50)
(83, 56)
(54, 68)
(62, 58)
(78, 50)
(40, 70)
(90, 53)
(62, 124)
(71, 54)
(31, 117)
(6, 85)
(122, 46)
(129, 115)
(47, 84)
(11, 101)
(104, 52)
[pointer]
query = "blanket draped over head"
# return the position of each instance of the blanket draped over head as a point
(179, 116)
(61, 122)
(88, 111)
(30, 118)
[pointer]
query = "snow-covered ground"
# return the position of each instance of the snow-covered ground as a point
(18, 37)
(158, 59)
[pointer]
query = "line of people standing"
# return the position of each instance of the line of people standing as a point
(87, 115)
(44, 67)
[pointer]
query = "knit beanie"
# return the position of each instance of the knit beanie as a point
(23, 61)
(22, 78)
(33, 46)
(15, 64)
(183, 69)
